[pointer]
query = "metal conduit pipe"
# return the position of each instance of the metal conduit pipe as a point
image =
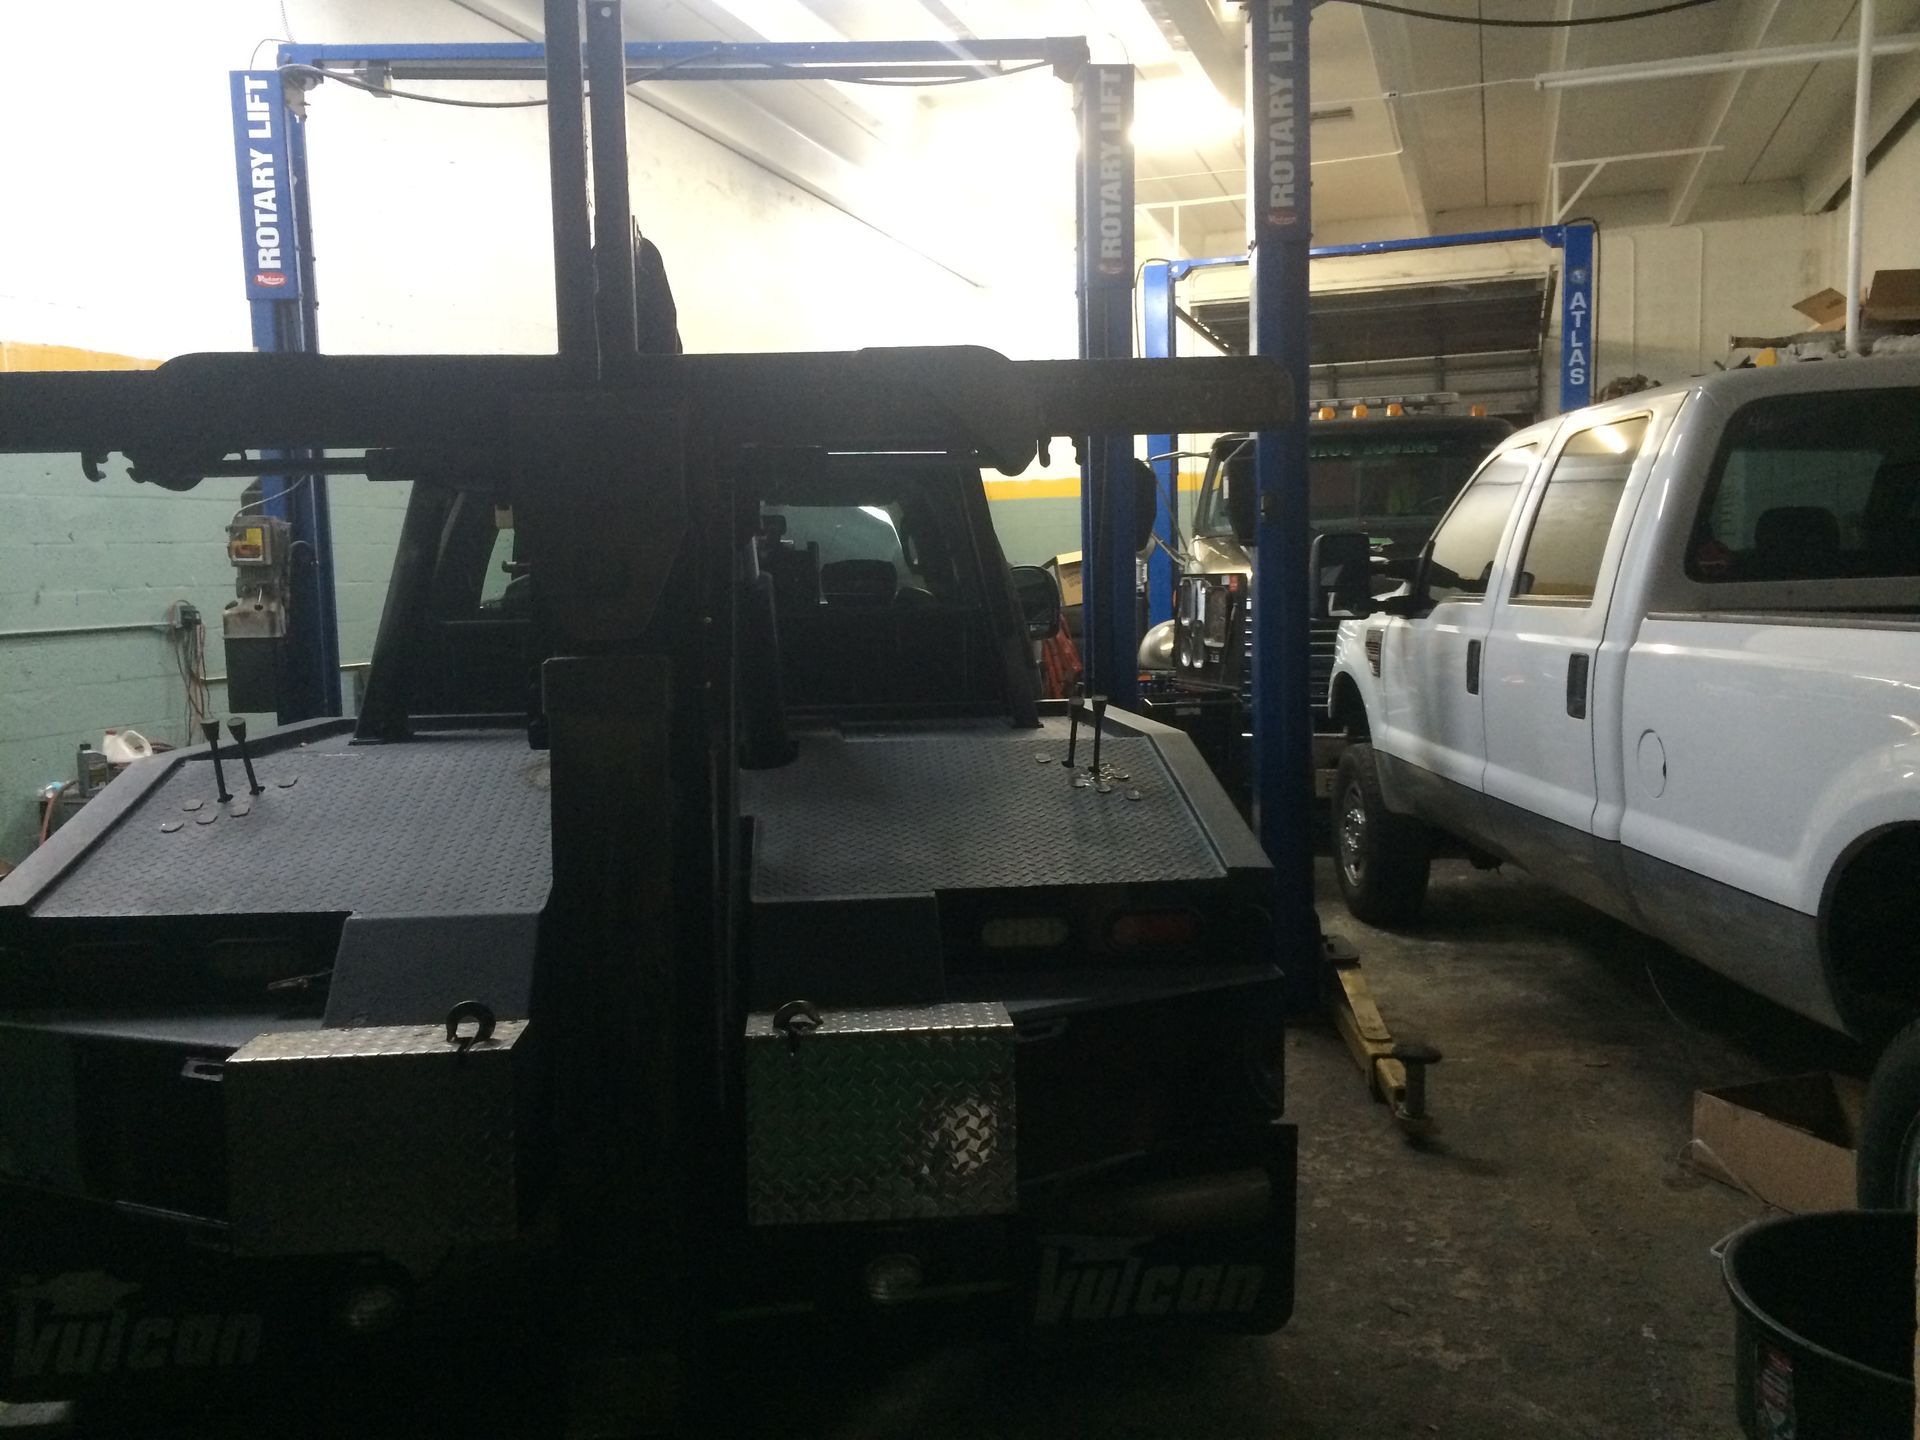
(1857, 194)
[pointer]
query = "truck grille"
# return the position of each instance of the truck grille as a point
(1323, 636)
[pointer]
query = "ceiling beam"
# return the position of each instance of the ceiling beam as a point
(1392, 49)
(1221, 53)
(1721, 94)
(1896, 92)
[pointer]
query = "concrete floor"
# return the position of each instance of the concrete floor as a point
(1542, 1269)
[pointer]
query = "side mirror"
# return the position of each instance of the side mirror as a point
(1342, 567)
(1039, 596)
(1236, 473)
(1146, 504)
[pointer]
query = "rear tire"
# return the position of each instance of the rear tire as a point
(1890, 1128)
(1380, 858)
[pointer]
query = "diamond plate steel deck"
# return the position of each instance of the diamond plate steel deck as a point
(445, 825)
(913, 813)
(891, 1114)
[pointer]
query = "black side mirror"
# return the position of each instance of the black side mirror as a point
(1039, 596)
(1146, 504)
(1342, 567)
(1236, 473)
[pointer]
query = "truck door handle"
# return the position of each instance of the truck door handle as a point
(1578, 666)
(1473, 667)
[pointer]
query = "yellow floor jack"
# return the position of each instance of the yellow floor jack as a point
(1396, 1070)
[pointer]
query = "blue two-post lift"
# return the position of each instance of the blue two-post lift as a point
(277, 229)
(276, 215)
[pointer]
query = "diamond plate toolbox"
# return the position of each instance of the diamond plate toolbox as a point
(377, 1138)
(903, 1114)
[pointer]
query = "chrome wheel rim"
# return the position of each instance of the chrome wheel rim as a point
(1353, 836)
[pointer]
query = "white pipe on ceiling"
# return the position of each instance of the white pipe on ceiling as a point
(1856, 199)
(1681, 66)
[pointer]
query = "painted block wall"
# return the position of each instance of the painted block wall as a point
(433, 237)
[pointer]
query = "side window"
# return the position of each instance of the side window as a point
(500, 564)
(1561, 564)
(1468, 540)
(1813, 487)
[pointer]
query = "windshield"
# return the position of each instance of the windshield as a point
(1393, 485)
(890, 550)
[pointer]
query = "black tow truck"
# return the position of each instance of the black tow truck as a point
(701, 921)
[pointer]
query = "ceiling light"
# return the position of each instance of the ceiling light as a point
(1181, 112)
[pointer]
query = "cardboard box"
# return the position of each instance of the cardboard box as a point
(1827, 309)
(1789, 1141)
(1892, 299)
(1066, 569)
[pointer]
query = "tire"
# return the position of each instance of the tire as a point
(1381, 859)
(1889, 1148)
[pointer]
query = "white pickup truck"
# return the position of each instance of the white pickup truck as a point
(1664, 653)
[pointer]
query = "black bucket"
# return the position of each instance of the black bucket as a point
(1823, 1339)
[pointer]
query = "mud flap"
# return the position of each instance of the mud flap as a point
(1234, 1277)
(95, 1305)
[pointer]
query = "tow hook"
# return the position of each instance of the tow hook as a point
(794, 1019)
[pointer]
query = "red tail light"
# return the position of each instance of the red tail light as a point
(1158, 928)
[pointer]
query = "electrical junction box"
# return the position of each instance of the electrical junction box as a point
(254, 623)
(256, 543)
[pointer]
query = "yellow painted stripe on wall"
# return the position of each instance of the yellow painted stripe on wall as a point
(30, 355)
(1066, 489)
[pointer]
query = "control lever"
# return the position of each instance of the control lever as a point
(238, 729)
(211, 729)
(1099, 727)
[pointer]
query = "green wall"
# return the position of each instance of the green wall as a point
(1033, 531)
(76, 554)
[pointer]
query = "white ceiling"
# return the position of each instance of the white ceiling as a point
(1391, 156)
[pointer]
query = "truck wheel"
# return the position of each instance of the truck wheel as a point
(1381, 858)
(1890, 1129)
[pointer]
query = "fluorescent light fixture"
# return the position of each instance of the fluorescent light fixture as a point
(1180, 112)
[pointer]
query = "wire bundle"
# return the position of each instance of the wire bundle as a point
(190, 658)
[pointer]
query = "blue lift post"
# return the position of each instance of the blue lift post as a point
(1110, 640)
(271, 157)
(1279, 221)
(1158, 342)
(277, 254)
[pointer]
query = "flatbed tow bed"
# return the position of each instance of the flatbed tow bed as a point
(560, 1022)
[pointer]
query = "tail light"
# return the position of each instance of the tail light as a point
(1158, 929)
(1025, 932)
